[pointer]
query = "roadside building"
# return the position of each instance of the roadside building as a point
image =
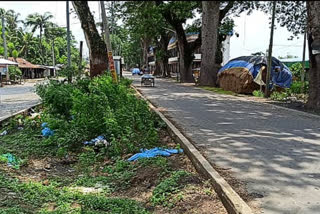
(29, 70)
(173, 52)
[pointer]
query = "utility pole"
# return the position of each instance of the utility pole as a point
(4, 38)
(108, 42)
(80, 58)
(303, 59)
(267, 90)
(5, 47)
(68, 44)
(53, 59)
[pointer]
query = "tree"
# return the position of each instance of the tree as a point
(13, 19)
(297, 16)
(37, 21)
(176, 13)
(144, 21)
(97, 48)
(210, 25)
(313, 8)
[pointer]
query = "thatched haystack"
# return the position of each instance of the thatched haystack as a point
(238, 80)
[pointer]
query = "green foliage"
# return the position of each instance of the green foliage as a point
(14, 72)
(161, 194)
(296, 70)
(258, 93)
(98, 107)
(33, 195)
(56, 96)
(279, 96)
(15, 54)
(27, 45)
(296, 87)
(290, 14)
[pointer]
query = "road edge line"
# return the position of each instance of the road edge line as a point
(233, 203)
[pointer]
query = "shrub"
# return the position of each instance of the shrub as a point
(56, 96)
(258, 93)
(296, 69)
(296, 87)
(14, 72)
(99, 107)
(279, 96)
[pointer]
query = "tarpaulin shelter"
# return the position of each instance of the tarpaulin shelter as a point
(246, 73)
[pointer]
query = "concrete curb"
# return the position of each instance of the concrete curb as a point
(230, 199)
(23, 112)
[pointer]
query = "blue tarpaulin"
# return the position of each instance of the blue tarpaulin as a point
(154, 152)
(253, 64)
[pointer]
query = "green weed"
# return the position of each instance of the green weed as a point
(161, 195)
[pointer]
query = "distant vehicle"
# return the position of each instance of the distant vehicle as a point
(136, 71)
(147, 79)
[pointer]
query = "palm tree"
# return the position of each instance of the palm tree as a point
(37, 21)
(13, 19)
(27, 40)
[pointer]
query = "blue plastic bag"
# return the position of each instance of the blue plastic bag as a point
(46, 131)
(100, 140)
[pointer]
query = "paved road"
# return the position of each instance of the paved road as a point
(14, 98)
(275, 151)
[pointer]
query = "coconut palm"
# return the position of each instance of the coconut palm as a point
(13, 19)
(37, 21)
(27, 40)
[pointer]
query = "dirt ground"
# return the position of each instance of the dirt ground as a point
(196, 194)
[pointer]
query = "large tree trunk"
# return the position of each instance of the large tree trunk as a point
(157, 71)
(164, 41)
(97, 48)
(185, 56)
(145, 46)
(313, 8)
(185, 49)
(210, 24)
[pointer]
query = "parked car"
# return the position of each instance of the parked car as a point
(136, 71)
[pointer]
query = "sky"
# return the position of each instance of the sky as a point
(254, 30)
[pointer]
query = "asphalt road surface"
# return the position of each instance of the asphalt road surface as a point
(14, 98)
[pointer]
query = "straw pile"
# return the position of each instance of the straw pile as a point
(238, 80)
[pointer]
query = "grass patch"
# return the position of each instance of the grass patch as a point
(161, 195)
(218, 90)
(258, 93)
(33, 197)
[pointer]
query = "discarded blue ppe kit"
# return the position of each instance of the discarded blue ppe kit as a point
(46, 131)
(154, 152)
(100, 140)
